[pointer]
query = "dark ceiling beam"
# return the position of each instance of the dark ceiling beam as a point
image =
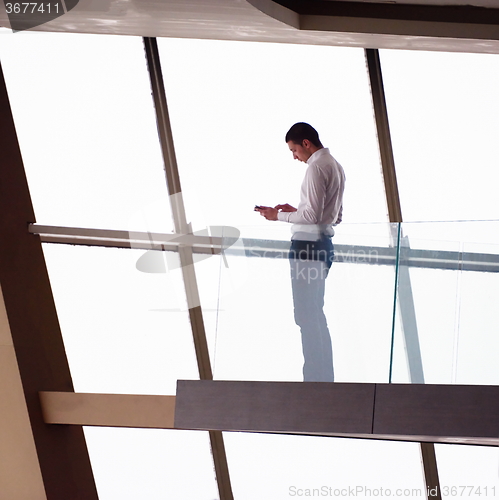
(403, 279)
(466, 14)
(461, 28)
(384, 136)
(347, 24)
(34, 330)
(185, 252)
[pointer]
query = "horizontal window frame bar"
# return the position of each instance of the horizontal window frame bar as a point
(252, 247)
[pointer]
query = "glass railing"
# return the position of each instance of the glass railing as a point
(405, 303)
(446, 327)
(408, 303)
(256, 334)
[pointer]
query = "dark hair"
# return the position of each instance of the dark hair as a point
(301, 131)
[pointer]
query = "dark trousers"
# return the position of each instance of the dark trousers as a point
(310, 262)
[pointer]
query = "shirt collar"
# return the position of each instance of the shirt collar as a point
(316, 155)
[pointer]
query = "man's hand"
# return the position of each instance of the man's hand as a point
(259, 208)
(269, 213)
(285, 208)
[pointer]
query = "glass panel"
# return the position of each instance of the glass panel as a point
(151, 464)
(363, 304)
(427, 305)
(477, 340)
(283, 467)
(125, 331)
(86, 125)
(244, 97)
(445, 329)
(257, 338)
(468, 471)
(444, 114)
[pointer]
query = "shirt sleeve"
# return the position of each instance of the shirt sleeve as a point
(284, 216)
(311, 205)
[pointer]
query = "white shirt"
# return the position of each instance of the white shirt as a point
(321, 198)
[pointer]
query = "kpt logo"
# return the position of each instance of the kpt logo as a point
(26, 15)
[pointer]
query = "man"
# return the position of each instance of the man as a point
(311, 253)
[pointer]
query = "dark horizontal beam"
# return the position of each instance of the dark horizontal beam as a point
(467, 14)
(405, 412)
(274, 406)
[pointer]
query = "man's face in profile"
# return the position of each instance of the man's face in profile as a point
(300, 151)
